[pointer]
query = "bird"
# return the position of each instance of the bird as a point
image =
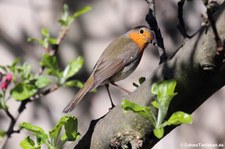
(118, 61)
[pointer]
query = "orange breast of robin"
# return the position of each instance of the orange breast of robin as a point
(141, 40)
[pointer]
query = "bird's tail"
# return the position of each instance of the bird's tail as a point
(89, 84)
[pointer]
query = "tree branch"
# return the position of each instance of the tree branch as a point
(211, 7)
(152, 22)
(194, 86)
(181, 26)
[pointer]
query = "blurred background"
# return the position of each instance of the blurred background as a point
(87, 37)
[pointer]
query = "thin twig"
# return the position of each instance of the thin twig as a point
(152, 22)
(9, 115)
(45, 92)
(213, 24)
(205, 22)
(154, 7)
(181, 26)
(13, 121)
(62, 33)
(220, 50)
(151, 4)
(53, 51)
(21, 108)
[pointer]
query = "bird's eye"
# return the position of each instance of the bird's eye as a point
(141, 31)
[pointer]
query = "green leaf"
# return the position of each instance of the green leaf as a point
(3, 69)
(165, 88)
(50, 63)
(70, 129)
(54, 133)
(155, 104)
(3, 103)
(70, 125)
(42, 81)
(27, 143)
(45, 43)
(52, 40)
(82, 11)
(159, 132)
(74, 83)
(23, 91)
(26, 71)
(165, 101)
(13, 66)
(66, 19)
(142, 110)
(2, 133)
(165, 93)
(72, 68)
(154, 88)
(39, 41)
(179, 118)
(46, 40)
(42, 137)
(45, 32)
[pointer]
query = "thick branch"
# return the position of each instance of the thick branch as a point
(194, 86)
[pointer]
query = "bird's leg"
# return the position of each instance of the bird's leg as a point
(110, 97)
(128, 92)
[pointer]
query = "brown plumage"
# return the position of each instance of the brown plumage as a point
(117, 61)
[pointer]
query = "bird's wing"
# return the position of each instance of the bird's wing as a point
(107, 67)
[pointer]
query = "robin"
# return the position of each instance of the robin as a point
(116, 63)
